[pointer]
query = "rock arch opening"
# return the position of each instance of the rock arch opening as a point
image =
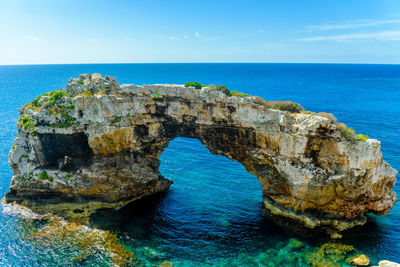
(207, 179)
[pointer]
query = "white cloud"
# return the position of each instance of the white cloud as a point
(358, 37)
(33, 38)
(174, 38)
(206, 38)
(351, 25)
(127, 38)
(261, 31)
(197, 34)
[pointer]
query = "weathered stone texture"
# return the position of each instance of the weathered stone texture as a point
(108, 153)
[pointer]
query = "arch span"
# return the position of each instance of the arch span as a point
(312, 172)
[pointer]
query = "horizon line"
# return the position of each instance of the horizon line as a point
(114, 63)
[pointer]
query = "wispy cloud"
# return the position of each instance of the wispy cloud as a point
(351, 25)
(127, 38)
(261, 31)
(34, 38)
(173, 38)
(206, 38)
(196, 34)
(358, 37)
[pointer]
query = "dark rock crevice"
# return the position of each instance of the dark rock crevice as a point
(55, 147)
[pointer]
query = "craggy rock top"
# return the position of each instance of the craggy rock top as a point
(97, 144)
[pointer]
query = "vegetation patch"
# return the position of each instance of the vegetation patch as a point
(116, 119)
(350, 134)
(87, 93)
(55, 110)
(362, 137)
(101, 92)
(56, 96)
(221, 88)
(26, 123)
(54, 104)
(45, 176)
(156, 96)
(196, 85)
(68, 121)
(239, 94)
(285, 106)
(35, 102)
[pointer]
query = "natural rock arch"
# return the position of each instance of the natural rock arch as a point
(98, 145)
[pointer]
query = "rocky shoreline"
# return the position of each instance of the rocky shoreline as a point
(97, 145)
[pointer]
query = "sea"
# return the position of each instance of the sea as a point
(211, 215)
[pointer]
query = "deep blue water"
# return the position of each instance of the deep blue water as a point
(212, 212)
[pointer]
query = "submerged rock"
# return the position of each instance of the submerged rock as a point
(166, 264)
(87, 240)
(386, 263)
(359, 260)
(97, 145)
(82, 241)
(329, 254)
(295, 244)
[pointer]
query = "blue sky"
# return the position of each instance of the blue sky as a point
(51, 32)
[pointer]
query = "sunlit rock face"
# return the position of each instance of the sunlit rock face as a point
(97, 144)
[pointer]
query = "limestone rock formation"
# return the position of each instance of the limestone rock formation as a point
(386, 263)
(97, 144)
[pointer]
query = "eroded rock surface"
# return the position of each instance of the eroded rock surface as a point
(97, 144)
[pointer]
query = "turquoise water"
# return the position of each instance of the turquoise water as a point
(211, 215)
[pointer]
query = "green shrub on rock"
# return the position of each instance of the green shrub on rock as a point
(45, 176)
(285, 106)
(350, 134)
(27, 123)
(362, 137)
(221, 88)
(239, 94)
(116, 119)
(196, 85)
(156, 96)
(56, 96)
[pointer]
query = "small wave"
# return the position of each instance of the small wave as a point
(14, 209)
